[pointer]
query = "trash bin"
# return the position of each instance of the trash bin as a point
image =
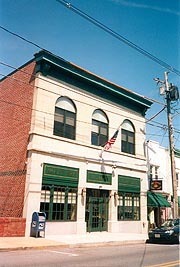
(38, 224)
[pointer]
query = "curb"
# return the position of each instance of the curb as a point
(76, 245)
(107, 243)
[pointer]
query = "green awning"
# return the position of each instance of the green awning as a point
(179, 201)
(151, 201)
(60, 175)
(157, 200)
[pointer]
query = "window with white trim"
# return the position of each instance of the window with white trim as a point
(65, 118)
(128, 206)
(127, 137)
(153, 172)
(99, 133)
(59, 203)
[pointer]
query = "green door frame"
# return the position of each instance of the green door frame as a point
(97, 214)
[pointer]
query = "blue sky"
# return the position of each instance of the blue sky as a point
(153, 25)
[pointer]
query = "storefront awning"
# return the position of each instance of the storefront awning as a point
(157, 200)
(179, 201)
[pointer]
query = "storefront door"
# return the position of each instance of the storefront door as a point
(97, 210)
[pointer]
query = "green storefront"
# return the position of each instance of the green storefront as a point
(59, 192)
(97, 202)
(129, 198)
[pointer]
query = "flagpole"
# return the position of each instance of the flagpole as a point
(100, 154)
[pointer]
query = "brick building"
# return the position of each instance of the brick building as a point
(56, 117)
(16, 93)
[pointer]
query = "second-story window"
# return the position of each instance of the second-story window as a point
(156, 169)
(65, 118)
(99, 133)
(128, 137)
(153, 172)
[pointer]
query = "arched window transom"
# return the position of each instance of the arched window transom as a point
(128, 137)
(99, 133)
(65, 118)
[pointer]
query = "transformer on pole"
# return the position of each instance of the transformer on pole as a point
(171, 94)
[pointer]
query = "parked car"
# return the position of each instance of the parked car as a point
(167, 232)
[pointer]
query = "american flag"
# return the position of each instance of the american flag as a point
(111, 140)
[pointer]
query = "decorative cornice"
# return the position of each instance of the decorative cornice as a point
(52, 65)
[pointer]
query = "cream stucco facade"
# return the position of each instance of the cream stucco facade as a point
(46, 148)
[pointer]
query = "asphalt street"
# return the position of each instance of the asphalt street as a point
(136, 255)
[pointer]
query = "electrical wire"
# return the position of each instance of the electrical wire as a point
(177, 139)
(19, 69)
(48, 113)
(22, 38)
(156, 114)
(107, 29)
(165, 131)
(50, 82)
(25, 72)
(159, 125)
(118, 36)
(49, 91)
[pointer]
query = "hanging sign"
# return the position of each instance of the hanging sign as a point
(156, 185)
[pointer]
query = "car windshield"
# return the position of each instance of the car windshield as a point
(170, 223)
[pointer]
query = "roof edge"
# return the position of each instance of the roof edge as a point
(83, 73)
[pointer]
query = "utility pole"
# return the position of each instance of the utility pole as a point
(171, 94)
(171, 146)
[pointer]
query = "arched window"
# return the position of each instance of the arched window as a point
(128, 137)
(99, 134)
(65, 118)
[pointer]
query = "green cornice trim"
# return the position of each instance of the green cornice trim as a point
(177, 153)
(48, 62)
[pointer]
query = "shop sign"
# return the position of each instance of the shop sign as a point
(156, 185)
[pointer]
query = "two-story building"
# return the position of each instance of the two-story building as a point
(56, 118)
(160, 193)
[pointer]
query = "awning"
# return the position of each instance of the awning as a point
(157, 200)
(179, 201)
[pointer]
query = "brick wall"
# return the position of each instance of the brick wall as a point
(16, 97)
(12, 226)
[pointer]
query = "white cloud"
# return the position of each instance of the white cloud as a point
(137, 5)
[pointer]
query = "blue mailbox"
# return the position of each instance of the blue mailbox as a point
(38, 224)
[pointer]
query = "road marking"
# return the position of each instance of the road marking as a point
(64, 253)
(166, 264)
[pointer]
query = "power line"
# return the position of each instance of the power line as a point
(46, 90)
(22, 38)
(118, 36)
(46, 124)
(156, 114)
(19, 69)
(162, 126)
(107, 29)
(159, 125)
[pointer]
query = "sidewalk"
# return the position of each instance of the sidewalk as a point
(88, 239)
